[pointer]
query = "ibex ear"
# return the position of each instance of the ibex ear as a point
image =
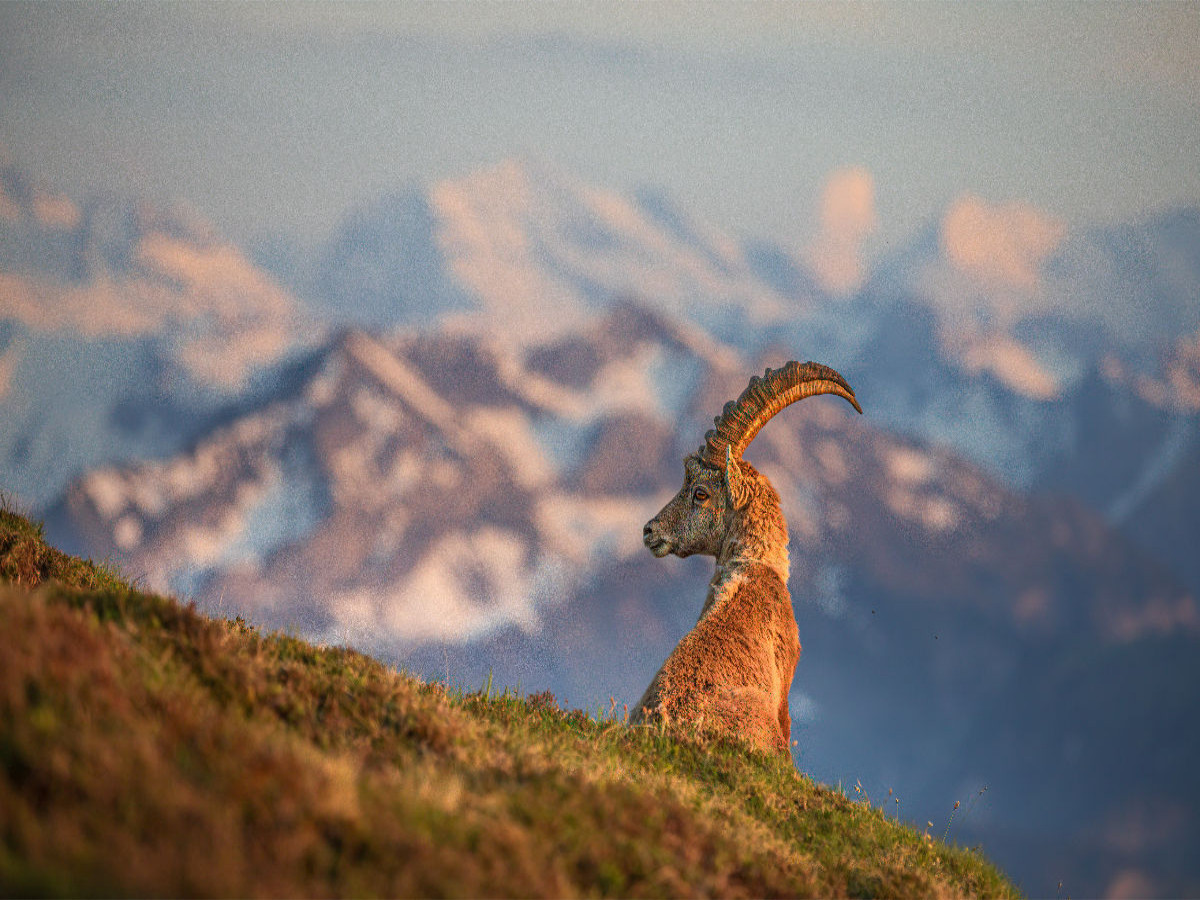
(735, 481)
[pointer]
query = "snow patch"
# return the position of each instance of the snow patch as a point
(590, 530)
(55, 211)
(485, 222)
(127, 533)
(376, 414)
(536, 390)
(832, 459)
(225, 316)
(848, 217)
(406, 383)
(908, 466)
(1006, 245)
(1013, 364)
(540, 249)
(933, 513)
(912, 475)
(510, 433)
(105, 488)
(466, 585)
(286, 507)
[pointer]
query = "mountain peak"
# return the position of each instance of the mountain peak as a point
(122, 270)
(538, 247)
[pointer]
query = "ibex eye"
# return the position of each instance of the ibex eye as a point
(700, 495)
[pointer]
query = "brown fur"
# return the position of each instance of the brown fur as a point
(732, 673)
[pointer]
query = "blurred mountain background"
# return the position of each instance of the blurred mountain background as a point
(381, 374)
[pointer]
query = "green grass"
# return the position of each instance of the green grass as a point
(148, 750)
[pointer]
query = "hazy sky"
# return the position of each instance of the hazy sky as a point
(279, 116)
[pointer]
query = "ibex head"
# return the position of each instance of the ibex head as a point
(718, 485)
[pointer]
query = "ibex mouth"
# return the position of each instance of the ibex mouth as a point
(658, 546)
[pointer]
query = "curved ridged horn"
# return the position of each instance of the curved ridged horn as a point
(743, 418)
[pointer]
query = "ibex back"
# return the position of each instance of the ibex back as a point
(732, 673)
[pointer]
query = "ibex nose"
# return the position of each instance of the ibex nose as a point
(655, 542)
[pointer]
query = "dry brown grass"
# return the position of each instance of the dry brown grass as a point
(148, 750)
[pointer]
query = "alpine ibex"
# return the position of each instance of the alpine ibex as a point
(733, 671)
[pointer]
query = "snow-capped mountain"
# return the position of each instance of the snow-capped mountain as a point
(534, 251)
(978, 334)
(1017, 294)
(409, 488)
(415, 434)
(115, 269)
(121, 328)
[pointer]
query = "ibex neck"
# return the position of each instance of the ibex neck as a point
(739, 553)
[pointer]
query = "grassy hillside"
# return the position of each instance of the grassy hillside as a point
(148, 750)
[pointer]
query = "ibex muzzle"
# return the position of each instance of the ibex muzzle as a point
(732, 673)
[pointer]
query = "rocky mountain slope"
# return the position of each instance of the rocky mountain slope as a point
(122, 327)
